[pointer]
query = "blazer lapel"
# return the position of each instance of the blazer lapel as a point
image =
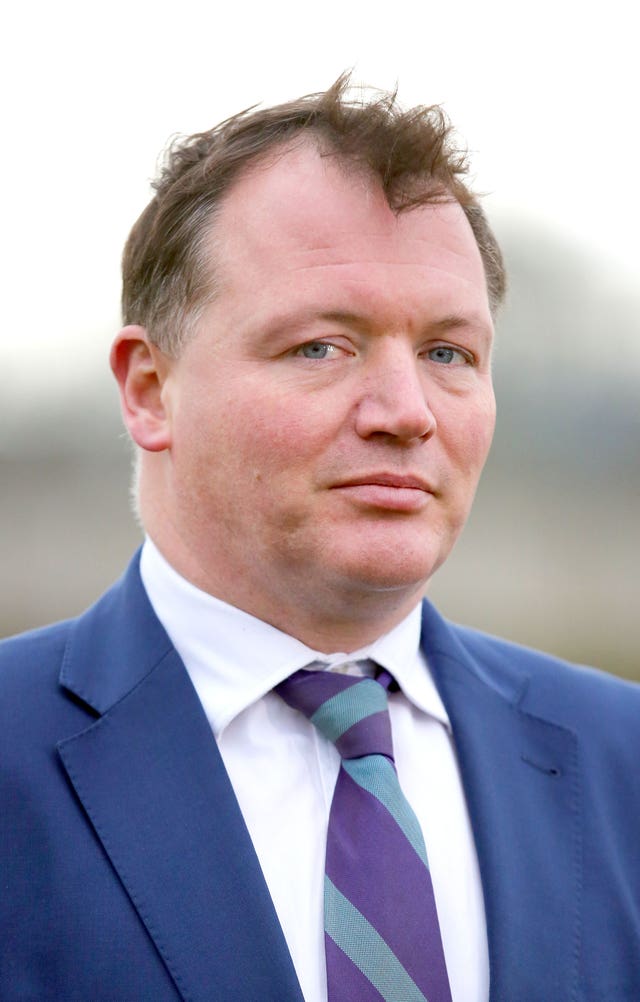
(151, 780)
(521, 781)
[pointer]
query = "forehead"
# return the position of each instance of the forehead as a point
(307, 213)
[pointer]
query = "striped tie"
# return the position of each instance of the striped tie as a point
(382, 938)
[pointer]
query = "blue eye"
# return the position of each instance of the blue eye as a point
(445, 355)
(315, 349)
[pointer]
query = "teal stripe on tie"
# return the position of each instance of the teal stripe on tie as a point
(349, 707)
(377, 775)
(350, 930)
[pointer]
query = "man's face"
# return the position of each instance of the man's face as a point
(330, 419)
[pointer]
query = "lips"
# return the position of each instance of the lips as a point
(394, 480)
(394, 492)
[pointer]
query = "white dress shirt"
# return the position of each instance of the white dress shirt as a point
(283, 771)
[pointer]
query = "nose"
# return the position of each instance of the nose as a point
(394, 399)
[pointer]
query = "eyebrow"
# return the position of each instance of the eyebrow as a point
(288, 321)
(291, 321)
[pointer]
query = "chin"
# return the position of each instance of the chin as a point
(391, 572)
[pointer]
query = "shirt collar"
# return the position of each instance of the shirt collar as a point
(233, 658)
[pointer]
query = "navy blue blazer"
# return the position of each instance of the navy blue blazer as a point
(128, 873)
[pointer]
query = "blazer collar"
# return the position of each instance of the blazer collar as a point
(114, 645)
(153, 785)
(522, 784)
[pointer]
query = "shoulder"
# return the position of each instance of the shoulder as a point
(28, 656)
(31, 698)
(539, 683)
(551, 686)
(546, 668)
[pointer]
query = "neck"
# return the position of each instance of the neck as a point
(340, 614)
(344, 619)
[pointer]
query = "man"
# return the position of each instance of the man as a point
(305, 369)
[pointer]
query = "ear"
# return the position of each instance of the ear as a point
(140, 369)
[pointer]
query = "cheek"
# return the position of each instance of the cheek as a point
(282, 433)
(478, 444)
(479, 430)
(469, 433)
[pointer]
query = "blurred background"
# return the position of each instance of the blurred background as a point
(545, 98)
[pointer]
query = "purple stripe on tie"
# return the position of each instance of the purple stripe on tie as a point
(369, 736)
(344, 979)
(307, 691)
(384, 856)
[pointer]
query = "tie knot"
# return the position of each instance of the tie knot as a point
(351, 712)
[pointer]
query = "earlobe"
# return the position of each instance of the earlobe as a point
(140, 370)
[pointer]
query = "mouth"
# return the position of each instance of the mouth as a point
(389, 491)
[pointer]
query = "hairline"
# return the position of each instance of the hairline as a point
(206, 242)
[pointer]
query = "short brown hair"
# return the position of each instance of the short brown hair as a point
(166, 274)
